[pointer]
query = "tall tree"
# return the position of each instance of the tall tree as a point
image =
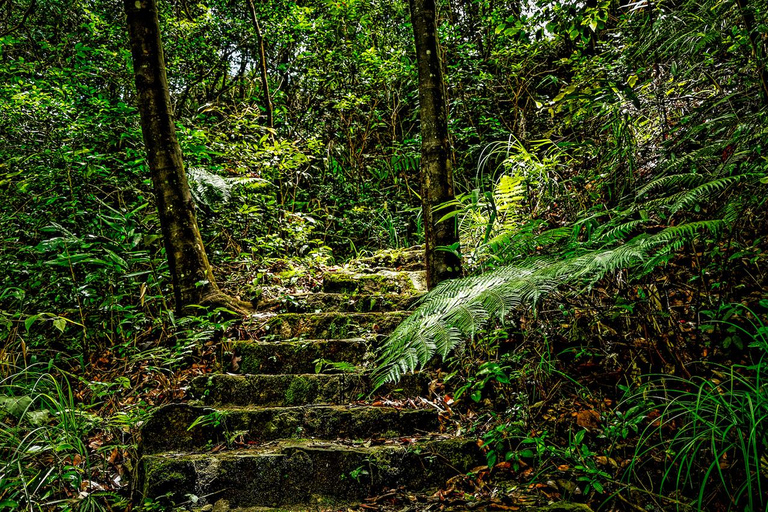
(262, 66)
(193, 281)
(436, 168)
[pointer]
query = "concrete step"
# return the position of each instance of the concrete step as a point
(297, 389)
(190, 428)
(297, 356)
(293, 472)
(335, 325)
(382, 282)
(352, 303)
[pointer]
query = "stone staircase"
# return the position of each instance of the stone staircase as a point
(291, 425)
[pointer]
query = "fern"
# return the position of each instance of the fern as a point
(456, 310)
(672, 181)
(703, 192)
(211, 189)
(508, 196)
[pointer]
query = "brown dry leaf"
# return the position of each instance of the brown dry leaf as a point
(113, 456)
(606, 461)
(588, 419)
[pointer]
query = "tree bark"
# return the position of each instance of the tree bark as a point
(193, 281)
(263, 67)
(270, 111)
(436, 168)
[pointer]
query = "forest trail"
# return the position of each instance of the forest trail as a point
(290, 424)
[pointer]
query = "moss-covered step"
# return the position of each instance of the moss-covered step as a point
(334, 325)
(288, 390)
(352, 303)
(297, 472)
(307, 356)
(223, 505)
(385, 281)
(184, 427)
(401, 259)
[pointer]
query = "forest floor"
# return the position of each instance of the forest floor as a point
(559, 407)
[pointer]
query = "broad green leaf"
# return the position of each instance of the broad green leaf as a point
(60, 323)
(29, 321)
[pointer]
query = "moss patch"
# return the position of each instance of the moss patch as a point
(301, 391)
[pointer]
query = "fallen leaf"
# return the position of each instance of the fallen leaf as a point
(588, 419)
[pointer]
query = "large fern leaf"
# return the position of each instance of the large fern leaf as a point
(457, 309)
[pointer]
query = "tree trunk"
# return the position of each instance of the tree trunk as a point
(436, 169)
(263, 67)
(193, 281)
(267, 103)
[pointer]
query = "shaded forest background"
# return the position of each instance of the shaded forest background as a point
(612, 155)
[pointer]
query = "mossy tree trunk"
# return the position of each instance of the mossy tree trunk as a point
(193, 281)
(436, 168)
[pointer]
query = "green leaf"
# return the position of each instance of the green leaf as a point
(29, 321)
(60, 323)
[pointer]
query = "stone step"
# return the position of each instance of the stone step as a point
(353, 303)
(400, 259)
(311, 473)
(184, 427)
(383, 282)
(305, 356)
(335, 325)
(299, 389)
(420, 501)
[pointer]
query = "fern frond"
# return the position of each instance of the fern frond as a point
(456, 310)
(672, 181)
(618, 233)
(211, 189)
(701, 192)
(686, 232)
(526, 240)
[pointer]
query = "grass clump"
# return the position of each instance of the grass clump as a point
(713, 430)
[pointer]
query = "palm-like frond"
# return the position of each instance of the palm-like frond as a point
(456, 310)
(211, 190)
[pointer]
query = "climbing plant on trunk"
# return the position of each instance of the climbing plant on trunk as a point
(436, 170)
(193, 281)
